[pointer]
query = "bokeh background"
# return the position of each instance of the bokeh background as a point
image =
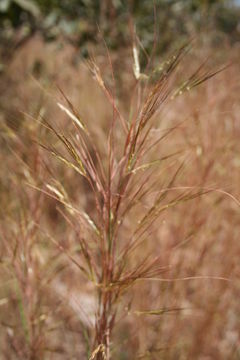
(47, 307)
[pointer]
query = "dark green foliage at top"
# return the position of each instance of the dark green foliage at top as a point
(78, 20)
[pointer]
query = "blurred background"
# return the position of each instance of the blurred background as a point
(46, 307)
(78, 22)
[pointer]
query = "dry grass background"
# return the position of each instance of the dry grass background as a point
(47, 308)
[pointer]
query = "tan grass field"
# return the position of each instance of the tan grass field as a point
(139, 264)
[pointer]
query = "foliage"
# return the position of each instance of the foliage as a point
(79, 20)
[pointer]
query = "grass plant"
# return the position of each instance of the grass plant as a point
(134, 177)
